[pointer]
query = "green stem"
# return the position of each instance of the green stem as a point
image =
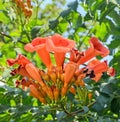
(23, 29)
(88, 33)
(37, 10)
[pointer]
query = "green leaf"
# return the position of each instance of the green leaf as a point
(3, 108)
(114, 43)
(97, 5)
(60, 114)
(76, 37)
(117, 2)
(62, 26)
(107, 89)
(101, 30)
(115, 16)
(109, 8)
(93, 7)
(75, 19)
(5, 117)
(115, 105)
(3, 17)
(116, 62)
(53, 24)
(34, 31)
(65, 13)
(49, 117)
(88, 17)
(101, 101)
(2, 89)
(73, 5)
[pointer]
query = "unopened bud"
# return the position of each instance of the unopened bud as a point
(72, 90)
(90, 95)
(80, 82)
(56, 93)
(64, 91)
(53, 76)
(29, 3)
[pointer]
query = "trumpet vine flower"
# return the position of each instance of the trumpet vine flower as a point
(96, 48)
(39, 45)
(60, 46)
(64, 76)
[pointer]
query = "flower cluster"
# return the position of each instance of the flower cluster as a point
(70, 68)
(24, 7)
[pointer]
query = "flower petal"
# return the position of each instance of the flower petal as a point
(22, 71)
(96, 49)
(111, 71)
(34, 73)
(39, 45)
(70, 69)
(59, 46)
(29, 47)
(21, 60)
(59, 58)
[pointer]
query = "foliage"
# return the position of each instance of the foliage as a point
(80, 20)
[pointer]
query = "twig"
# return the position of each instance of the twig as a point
(66, 111)
(3, 34)
(82, 110)
(78, 111)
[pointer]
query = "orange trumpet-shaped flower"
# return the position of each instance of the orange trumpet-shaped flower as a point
(75, 55)
(70, 69)
(26, 68)
(39, 45)
(59, 46)
(55, 83)
(21, 60)
(96, 49)
(98, 68)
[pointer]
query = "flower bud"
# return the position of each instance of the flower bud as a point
(90, 96)
(64, 91)
(56, 92)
